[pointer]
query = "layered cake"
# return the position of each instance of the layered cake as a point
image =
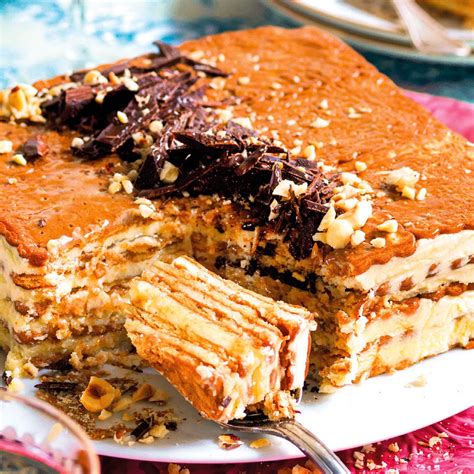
(279, 159)
(227, 350)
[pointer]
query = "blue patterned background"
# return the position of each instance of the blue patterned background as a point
(41, 38)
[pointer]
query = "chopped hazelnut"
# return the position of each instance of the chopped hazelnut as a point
(243, 81)
(393, 447)
(114, 187)
(122, 404)
(421, 195)
(339, 233)
(408, 192)
(6, 146)
(130, 84)
(360, 214)
(310, 152)
(283, 188)
(77, 142)
(320, 123)
(159, 431)
(156, 126)
(328, 219)
(402, 177)
(104, 415)
(98, 395)
(360, 166)
(296, 150)
(143, 392)
(169, 173)
(390, 225)
(378, 243)
(148, 440)
(324, 104)
(229, 441)
(196, 55)
(244, 121)
(127, 186)
(94, 78)
(100, 96)
(145, 211)
(17, 100)
(357, 238)
(19, 159)
(320, 237)
(122, 117)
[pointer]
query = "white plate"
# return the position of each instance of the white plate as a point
(367, 43)
(377, 409)
(372, 17)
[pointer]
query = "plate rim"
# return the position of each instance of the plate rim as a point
(365, 43)
(444, 412)
(398, 34)
(428, 367)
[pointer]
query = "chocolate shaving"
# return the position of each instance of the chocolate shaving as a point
(231, 160)
(142, 428)
(57, 386)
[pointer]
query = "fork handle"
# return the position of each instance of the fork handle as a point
(310, 444)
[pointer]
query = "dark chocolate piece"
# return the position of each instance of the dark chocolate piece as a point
(230, 160)
(34, 148)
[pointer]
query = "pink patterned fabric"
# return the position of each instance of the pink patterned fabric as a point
(452, 452)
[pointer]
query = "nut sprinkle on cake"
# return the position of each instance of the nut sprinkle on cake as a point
(279, 159)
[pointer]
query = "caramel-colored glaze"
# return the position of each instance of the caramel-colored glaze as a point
(54, 195)
(290, 72)
(396, 132)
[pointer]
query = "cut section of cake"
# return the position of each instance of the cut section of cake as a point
(226, 349)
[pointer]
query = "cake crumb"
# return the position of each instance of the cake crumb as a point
(368, 448)
(393, 447)
(229, 441)
(260, 443)
(420, 381)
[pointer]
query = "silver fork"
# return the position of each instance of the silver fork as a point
(294, 432)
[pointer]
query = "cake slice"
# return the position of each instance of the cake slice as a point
(226, 349)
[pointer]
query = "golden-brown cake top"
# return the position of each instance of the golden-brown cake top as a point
(303, 87)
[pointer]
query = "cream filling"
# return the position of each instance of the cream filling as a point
(62, 272)
(429, 314)
(464, 275)
(297, 349)
(442, 250)
(94, 311)
(108, 255)
(400, 352)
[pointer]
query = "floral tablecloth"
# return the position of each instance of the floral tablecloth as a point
(445, 447)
